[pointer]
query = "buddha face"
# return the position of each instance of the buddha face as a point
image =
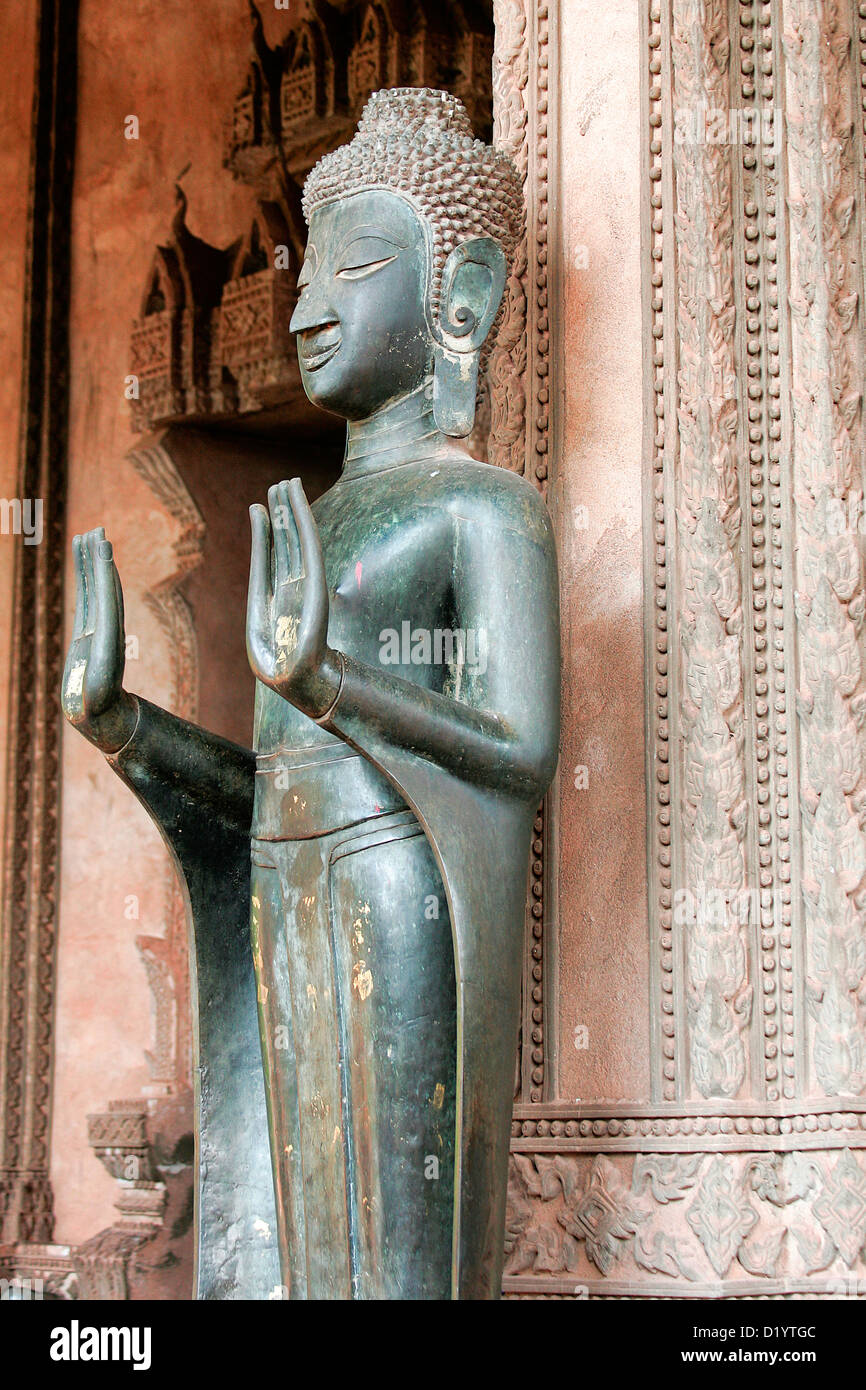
(361, 321)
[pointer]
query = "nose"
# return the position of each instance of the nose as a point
(312, 311)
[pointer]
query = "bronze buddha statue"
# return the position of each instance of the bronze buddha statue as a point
(404, 635)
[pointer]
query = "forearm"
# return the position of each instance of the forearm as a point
(470, 743)
(188, 763)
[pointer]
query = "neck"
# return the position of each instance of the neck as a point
(402, 432)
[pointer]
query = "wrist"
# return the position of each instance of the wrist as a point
(329, 687)
(112, 730)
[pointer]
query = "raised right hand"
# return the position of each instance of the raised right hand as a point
(93, 698)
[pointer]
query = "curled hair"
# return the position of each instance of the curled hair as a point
(419, 143)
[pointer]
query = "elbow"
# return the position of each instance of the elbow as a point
(529, 763)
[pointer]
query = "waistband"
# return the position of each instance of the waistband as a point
(303, 792)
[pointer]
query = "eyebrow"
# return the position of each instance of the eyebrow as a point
(367, 230)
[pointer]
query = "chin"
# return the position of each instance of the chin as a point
(326, 395)
(336, 396)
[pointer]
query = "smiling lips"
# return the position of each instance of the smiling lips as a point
(319, 348)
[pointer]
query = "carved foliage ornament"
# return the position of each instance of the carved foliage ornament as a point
(830, 597)
(694, 1217)
(708, 531)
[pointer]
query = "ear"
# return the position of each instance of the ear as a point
(473, 280)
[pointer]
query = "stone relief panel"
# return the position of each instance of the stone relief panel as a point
(708, 615)
(826, 406)
(680, 1223)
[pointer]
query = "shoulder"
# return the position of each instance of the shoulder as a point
(483, 494)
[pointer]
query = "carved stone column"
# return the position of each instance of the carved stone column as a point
(519, 386)
(743, 1171)
(27, 932)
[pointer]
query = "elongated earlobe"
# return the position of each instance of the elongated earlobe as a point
(455, 388)
(473, 279)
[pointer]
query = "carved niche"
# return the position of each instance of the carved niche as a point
(211, 342)
(173, 339)
(252, 363)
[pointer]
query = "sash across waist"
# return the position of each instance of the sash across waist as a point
(302, 792)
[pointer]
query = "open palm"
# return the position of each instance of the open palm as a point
(287, 606)
(92, 695)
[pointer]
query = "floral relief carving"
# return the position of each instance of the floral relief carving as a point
(708, 532)
(830, 596)
(506, 372)
(721, 1216)
(840, 1206)
(594, 1209)
(696, 1218)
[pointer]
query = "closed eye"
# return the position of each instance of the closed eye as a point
(358, 272)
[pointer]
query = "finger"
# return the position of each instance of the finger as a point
(105, 667)
(89, 583)
(80, 622)
(280, 520)
(91, 544)
(292, 539)
(308, 531)
(259, 594)
(121, 612)
(316, 587)
(74, 673)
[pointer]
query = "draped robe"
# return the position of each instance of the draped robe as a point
(355, 1067)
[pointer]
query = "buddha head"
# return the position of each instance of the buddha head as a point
(411, 229)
